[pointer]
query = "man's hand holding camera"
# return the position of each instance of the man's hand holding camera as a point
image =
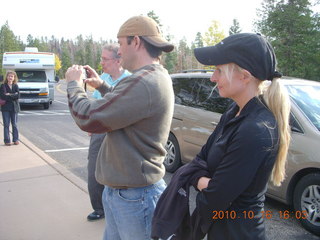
(93, 79)
(76, 72)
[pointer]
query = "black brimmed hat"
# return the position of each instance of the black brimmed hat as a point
(250, 51)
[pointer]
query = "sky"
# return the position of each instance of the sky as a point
(101, 19)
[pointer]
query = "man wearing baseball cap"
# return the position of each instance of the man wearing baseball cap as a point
(137, 115)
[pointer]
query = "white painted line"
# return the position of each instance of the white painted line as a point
(34, 113)
(51, 112)
(30, 112)
(66, 149)
(45, 113)
(61, 102)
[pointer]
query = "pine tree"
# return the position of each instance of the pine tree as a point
(198, 42)
(294, 32)
(66, 60)
(8, 42)
(235, 28)
(155, 17)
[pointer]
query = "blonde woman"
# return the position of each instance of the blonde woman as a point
(251, 142)
(248, 146)
(9, 91)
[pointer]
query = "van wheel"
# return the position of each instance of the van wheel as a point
(306, 200)
(46, 105)
(172, 160)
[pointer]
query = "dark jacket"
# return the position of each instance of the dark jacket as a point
(12, 99)
(171, 215)
(240, 155)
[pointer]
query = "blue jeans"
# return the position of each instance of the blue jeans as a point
(10, 116)
(129, 212)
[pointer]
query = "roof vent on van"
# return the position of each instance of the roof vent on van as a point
(31, 49)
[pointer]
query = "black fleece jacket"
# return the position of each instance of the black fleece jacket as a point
(172, 210)
(13, 96)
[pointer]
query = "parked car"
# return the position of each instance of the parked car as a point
(198, 108)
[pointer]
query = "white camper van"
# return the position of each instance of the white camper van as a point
(36, 75)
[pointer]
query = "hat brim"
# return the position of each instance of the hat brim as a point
(159, 42)
(210, 56)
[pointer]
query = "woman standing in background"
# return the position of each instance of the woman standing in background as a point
(9, 91)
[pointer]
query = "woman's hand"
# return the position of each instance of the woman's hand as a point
(203, 183)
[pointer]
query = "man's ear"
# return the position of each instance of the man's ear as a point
(136, 41)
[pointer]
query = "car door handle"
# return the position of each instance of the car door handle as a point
(214, 123)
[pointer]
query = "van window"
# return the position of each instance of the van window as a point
(212, 100)
(31, 76)
(294, 124)
(199, 93)
(307, 98)
(185, 91)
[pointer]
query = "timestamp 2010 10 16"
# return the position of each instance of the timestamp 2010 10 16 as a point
(283, 214)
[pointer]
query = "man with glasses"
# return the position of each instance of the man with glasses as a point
(112, 74)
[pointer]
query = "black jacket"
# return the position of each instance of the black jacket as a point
(240, 155)
(12, 99)
(171, 215)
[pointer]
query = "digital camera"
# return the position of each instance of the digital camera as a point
(84, 74)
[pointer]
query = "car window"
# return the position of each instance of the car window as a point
(185, 91)
(199, 93)
(210, 99)
(294, 124)
(307, 98)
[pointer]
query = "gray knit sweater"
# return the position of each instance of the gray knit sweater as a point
(137, 115)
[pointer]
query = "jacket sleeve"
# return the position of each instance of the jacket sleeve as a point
(13, 96)
(126, 104)
(16, 94)
(2, 96)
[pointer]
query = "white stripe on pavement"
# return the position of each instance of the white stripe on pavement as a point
(66, 149)
(65, 103)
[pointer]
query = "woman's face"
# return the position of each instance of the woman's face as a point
(227, 80)
(10, 78)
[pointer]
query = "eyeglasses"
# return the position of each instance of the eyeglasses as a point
(106, 59)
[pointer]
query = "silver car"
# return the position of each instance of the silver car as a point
(198, 109)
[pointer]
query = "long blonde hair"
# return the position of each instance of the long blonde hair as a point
(278, 101)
